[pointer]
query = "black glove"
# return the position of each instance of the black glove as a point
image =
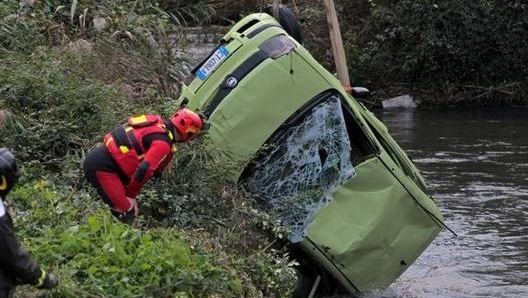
(47, 281)
(126, 217)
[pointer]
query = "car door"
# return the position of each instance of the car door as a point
(331, 182)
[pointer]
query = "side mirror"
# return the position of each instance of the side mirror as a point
(360, 92)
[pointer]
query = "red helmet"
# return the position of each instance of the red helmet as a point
(187, 123)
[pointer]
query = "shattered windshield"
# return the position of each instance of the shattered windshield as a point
(303, 166)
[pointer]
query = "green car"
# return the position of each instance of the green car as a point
(355, 204)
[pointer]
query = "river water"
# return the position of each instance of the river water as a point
(476, 165)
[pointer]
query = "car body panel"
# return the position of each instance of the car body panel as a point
(376, 223)
(229, 128)
(373, 229)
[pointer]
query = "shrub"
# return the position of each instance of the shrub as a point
(55, 109)
(71, 234)
(446, 48)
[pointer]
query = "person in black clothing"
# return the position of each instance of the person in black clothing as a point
(16, 266)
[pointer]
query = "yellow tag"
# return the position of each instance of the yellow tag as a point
(124, 149)
(3, 185)
(138, 119)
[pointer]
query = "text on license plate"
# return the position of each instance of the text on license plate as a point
(212, 63)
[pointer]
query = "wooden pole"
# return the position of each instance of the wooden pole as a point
(275, 9)
(337, 44)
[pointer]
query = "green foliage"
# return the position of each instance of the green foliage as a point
(433, 45)
(134, 41)
(194, 191)
(56, 21)
(314, 30)
(20, 29)
(29, 24)
(188, 13)
(64, 97)
(56, 109)
(71, 234)
(123, 262)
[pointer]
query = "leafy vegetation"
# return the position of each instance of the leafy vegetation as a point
(449, 53)
(70, 71)
(95, 256)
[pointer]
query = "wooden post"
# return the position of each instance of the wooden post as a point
(337, 44)
(275, 9)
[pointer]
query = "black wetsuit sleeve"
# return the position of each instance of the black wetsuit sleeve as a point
(15, 261)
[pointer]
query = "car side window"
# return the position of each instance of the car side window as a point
(304, 161)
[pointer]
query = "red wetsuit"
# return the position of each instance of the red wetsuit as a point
(131, 155)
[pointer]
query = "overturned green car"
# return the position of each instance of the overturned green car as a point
(355, 204)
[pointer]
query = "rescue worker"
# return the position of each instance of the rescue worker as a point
(16, 266)
(134, 152)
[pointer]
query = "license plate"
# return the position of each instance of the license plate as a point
(212, 63)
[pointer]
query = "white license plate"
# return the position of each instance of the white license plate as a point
(212, 63)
